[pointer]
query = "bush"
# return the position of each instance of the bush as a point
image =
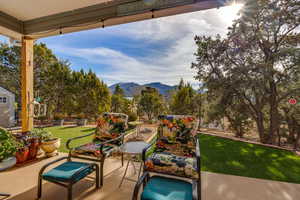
(132, 117)
(7, 145)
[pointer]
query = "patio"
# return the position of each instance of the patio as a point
(28, 23)
(214, 186)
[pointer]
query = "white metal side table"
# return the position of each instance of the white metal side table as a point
(134, 148)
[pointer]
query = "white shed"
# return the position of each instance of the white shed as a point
(7, 108)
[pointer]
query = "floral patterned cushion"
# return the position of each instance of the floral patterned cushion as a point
(93, 149)
(176, 135)
(172, 164)
(175, 147)
(110, 126)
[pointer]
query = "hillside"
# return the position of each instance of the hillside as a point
(132, 88)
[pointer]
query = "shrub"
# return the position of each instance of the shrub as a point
(7, 145)
(132, 117)
(42, 134)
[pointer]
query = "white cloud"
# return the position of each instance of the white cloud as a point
(168, 66)
(124, 68)
(206, 22)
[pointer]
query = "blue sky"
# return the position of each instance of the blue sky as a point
(157, 50)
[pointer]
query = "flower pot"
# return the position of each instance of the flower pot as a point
(59, 122)
(50, 147)
(82, 122)
(7, 163)
(22, 155)
(33, 148)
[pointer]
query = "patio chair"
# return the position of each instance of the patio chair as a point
(67, 174)
(108, 138)
(176, 151)
(4, 195)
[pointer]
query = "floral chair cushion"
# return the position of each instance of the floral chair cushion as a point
(172, 164)
(109, 126)
(175, 147)
(176, 135)
(93, 149)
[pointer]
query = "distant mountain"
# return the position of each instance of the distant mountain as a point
(162, 88)
(131, 88)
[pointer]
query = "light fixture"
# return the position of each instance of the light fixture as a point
(103, 25)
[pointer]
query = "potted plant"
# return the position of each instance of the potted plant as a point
(7, 150)
(81, 121)
(58, 120)
(49, 144)
(34, 143)
(22, 153)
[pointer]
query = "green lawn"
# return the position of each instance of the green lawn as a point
(244, 159)
(223, 156)
(66, 133)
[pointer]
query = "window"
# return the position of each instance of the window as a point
(3, 99)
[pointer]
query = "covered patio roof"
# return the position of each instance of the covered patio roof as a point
(29, 20)
(37, 19)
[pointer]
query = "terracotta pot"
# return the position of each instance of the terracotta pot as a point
(50, 147)
(33, 148)
(22, 155)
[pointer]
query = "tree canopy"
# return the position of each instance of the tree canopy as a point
(256, 63)
(66, 92)
(151, 103)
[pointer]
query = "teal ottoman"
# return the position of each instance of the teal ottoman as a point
(67, 174)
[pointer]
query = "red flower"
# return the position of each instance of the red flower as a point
(97, 153)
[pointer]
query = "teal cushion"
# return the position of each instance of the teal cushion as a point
(65, 171)
(162, 188)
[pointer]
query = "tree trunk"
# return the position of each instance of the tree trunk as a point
(292, 132)
(260, 128)
(274, 114)
(296, 144)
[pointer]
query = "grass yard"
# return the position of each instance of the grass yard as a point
(243, 159)
(222, 156)
(66, 133)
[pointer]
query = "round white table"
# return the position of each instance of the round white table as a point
(134, 148)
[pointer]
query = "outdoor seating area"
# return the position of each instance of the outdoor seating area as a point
(168, 172)
(215, 186)
(108, 138)
(177, 154)
(152, 100)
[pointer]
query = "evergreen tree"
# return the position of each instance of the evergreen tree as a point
(119, 90)
(65, 92)
(151, 103)
(182, 100)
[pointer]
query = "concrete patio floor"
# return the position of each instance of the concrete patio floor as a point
(21, 183)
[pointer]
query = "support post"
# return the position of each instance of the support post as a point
(27, 84)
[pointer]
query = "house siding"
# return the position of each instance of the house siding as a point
(7, 110)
